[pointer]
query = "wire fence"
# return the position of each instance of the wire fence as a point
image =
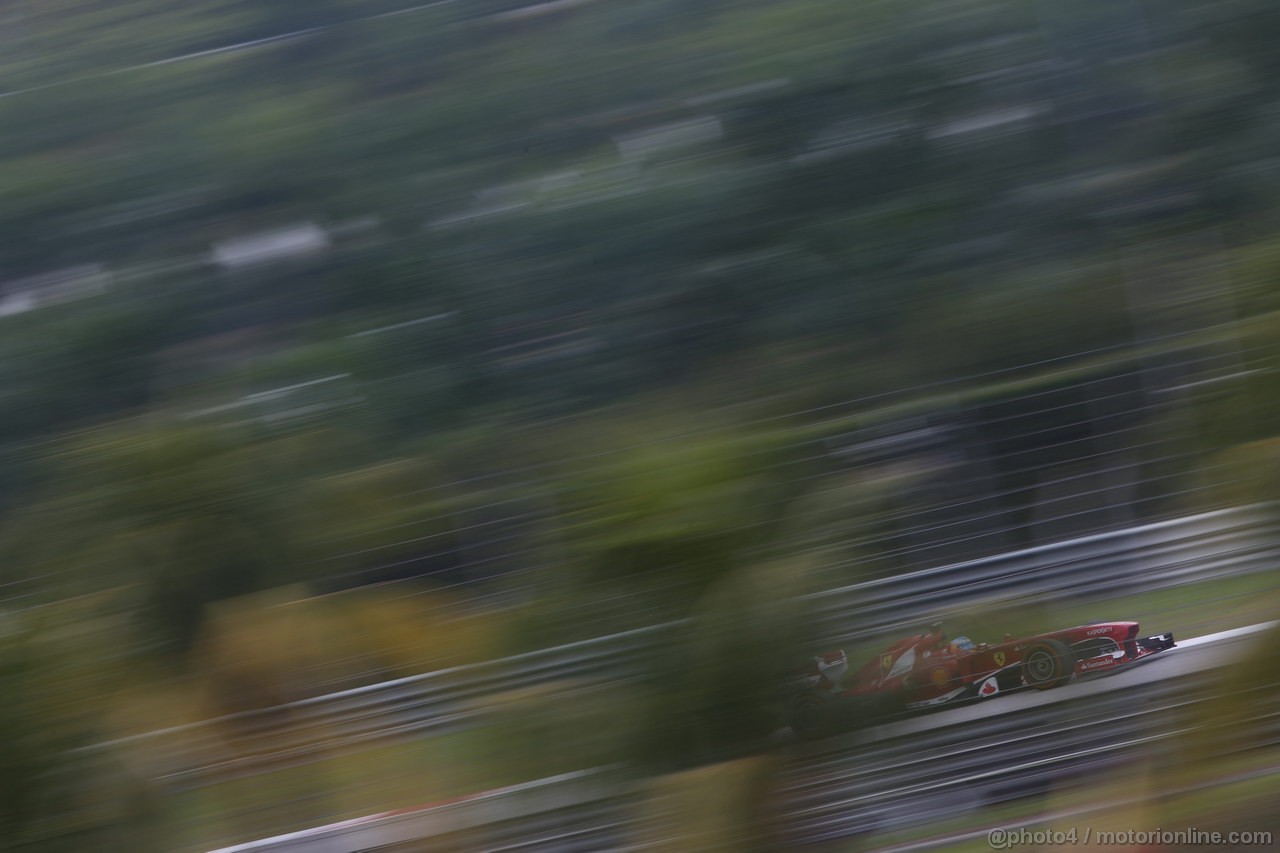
(891, 778)
(1188, 550)
(1068, 460)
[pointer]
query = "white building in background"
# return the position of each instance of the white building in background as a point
(302, 241)
(738, 92)
(633, 146)
(537, 9)
(856, 134)
(54, 288)
(991, 121)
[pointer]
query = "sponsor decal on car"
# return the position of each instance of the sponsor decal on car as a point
(937, 700)
(886, 662)
(989, 687)
(999, 658)
(940, 675)
(1095, 632)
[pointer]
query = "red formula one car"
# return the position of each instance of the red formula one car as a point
(926, 671)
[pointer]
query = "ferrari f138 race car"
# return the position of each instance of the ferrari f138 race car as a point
(927, 671)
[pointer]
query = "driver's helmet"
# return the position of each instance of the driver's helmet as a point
(833, 665)
(962, 644)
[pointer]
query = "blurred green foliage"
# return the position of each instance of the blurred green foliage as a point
(870, 196)
(58, 666)
(839, 204)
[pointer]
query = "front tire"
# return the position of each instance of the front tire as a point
(1047, 664)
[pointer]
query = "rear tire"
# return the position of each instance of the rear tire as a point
(881, 707)
(1047, 664)
(810, 715)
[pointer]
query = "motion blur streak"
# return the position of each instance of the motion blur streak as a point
(407, 400)
(829, 790)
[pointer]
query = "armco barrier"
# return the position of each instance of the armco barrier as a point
(1147, 557)
(903, 774)
(576, 811)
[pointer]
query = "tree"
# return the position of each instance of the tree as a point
(746, 632)
(59, 668)
(183, 514)
(665, 516)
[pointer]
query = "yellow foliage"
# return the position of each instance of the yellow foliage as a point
(424, 631)
(1133, 805)
(1235, 718)
(148, 707)
(267, 649)
(716, 807)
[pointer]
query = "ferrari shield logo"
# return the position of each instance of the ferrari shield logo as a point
(886, 662)
(999, 658)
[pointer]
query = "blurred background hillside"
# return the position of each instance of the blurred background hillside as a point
(351, 340)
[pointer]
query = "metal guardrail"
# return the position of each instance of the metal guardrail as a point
(897, 784)
(891, 777)
(891, 784)
(1147, 557)
(580, 811)
(898, 776)
(1184, 550)
(438, 701)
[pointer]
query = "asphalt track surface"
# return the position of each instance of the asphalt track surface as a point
(527, 802)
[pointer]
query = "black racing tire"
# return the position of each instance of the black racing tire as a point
(810, 715)
(815, 714)
(1047, 664)
(880, 707)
